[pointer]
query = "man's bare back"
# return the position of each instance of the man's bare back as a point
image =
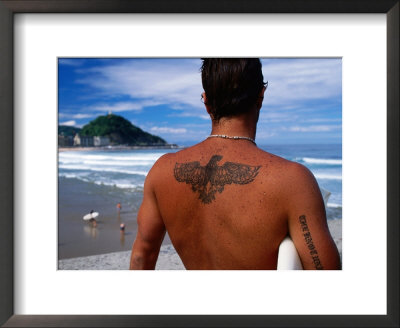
(226, 205)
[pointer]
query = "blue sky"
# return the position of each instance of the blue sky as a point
(302, 105)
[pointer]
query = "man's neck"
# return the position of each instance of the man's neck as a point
(235, 126)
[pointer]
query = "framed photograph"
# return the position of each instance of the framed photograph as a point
(105, 174)
(38, 35)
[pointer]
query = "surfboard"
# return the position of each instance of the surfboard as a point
(90, 216)
(288, 258)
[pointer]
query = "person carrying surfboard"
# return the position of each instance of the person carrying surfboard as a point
(91, 218)
(225, 203)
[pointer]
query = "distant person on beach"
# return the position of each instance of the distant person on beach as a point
(93, 220)
(122, 233)
(225, 203)
(119, 207)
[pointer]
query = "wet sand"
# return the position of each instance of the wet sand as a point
(78, 238)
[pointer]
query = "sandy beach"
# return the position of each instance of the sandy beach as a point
(167, 260)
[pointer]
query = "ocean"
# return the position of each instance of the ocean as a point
(99, 179)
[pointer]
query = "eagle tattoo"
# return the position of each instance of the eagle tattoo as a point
(209, 179)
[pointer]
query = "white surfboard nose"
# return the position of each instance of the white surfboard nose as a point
(288, 258)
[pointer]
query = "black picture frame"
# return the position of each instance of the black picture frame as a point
(10, 7)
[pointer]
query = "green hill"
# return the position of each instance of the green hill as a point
(68, 131)
(120, 131)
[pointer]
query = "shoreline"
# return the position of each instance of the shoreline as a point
(168, 258)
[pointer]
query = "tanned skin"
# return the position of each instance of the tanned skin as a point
(227, 204)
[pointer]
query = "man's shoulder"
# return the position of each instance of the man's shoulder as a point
(297, 179)
(166, 162)
(161, 172)
(275, 162)
(298, 172)
(169, 159)
(286, 171)
(162, 163)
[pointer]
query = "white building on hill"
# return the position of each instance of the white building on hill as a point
(96, 141)
(83, 141)
(101, 141)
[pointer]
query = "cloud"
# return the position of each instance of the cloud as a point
(314, 128)
(122, 106)
(76, 116)
(191, 114)
(175, 82)
(70, 61)
(277, 116)
(80, 116)
(156, 129)
(326, 120)
(68, 123)
(265, 134)
(299, 80)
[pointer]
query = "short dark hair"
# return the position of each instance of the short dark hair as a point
(232, 85)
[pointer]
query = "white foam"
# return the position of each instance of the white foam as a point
(108, 162)
(334, 205)
(118, 163)
(120, 185)
(74, 176)
(129, 157)
(87, 168)
(327, 176)
(71, 175)
(322, 161)
(105, 183)
(69, 161)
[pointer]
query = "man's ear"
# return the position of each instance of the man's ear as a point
(204, 99)
(261, 98)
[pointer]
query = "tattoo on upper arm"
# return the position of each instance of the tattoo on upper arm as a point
(309, 242)
(209, 179)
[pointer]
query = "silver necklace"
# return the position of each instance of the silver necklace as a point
(229, 137)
